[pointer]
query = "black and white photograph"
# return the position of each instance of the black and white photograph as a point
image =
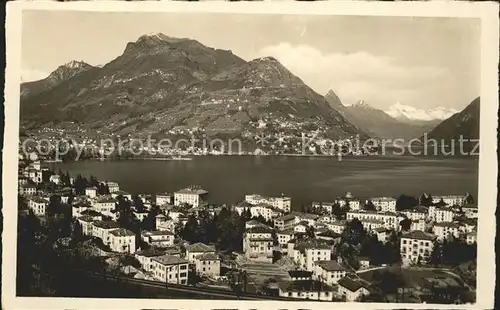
(217, 154)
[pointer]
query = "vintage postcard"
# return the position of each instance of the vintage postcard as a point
(218, 155)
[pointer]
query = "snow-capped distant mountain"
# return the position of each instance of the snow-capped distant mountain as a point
(408, 113)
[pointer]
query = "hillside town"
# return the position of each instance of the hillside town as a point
(404, 249)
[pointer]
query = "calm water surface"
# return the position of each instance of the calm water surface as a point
(305, 179)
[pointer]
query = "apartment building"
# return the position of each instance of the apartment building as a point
(391, 220)
(416, 246)
(283, 237)
(27, 189)
(158, 238)
(282, 203)
(192, 196)
(101, 230)
(384, 204)
(451, 200)
(91, 192)
(163, 199)
(306, 253)
(327, 206)
(170, 269)
(145, 257)
(105, 205)
(440, 214)
(122, 241)
(446, 230)
(197, 249)
(38, 205)
(208, 264)
(284, 222)
(306, 289)
(328, 271)
(418, 225)
(337, 226)
(352, 289)
(113, 187)
(258, 244)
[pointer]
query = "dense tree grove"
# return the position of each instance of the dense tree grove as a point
(453, 252)
(224, 229)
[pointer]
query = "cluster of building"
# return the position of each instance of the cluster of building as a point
(307, 239)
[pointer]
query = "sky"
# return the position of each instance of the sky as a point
(421, 62)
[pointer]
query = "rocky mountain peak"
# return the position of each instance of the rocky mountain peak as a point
(362, 104)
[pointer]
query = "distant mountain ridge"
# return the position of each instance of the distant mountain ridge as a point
(408, 113)
(464, 123)
(377, 123)
(61, 74)
(160, 84)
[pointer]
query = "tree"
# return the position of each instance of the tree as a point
(354, 232)
(425, 200)
(370, 206)
(405, 224)
(405, 202)
(310, 232)
(390, 282)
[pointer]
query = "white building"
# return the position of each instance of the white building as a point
(170, 269)
(55, 179)
(284, 222)
(145, 257)
(414, 215)
(451, 200)
(86, 224)
(445, 230)
(208, 264)
(372, 224)
(337, 226)
(471, 237)
(159, 238)
(197, 249)
(282, 203)
(327, 206)
(391, 220)
(440, 214)
(101, 230)
(265, 210)
(113, 187)
(38, 205)
(416, 246)
(283, 237)
(163, 223)
(364, 262)
(258, 244)
(306, 253)
(28, 189)
(383, 234)
(122, 240)
(91, 192)
(352, 289)
(418, 225)
(308, 289)
(163, 199)
(123, 194)
(105, 204)
(470, 211)
(328, 271)
(384, 204)
(191, 196)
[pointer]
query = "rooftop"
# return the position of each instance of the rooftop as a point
(207, 256)
(330, 265)
(199, 247)
(300, 273)
(192, 190)
(351, 284)
(329, 233)
(151, 252)
(305, 286)
(447, 224)
(161, 233)
(259, 229)
(122, 232)
(288, 231)
(286, 218)
(86, 218)
(419, 235)
(170, 260)
(106, 224)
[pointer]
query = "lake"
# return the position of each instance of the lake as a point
(304, 179)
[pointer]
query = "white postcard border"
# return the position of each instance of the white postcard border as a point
(488, 167)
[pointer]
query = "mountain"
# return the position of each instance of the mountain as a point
(464, 123)
(61, 74)
(375, 122)
(408, 113)
(162, 84)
